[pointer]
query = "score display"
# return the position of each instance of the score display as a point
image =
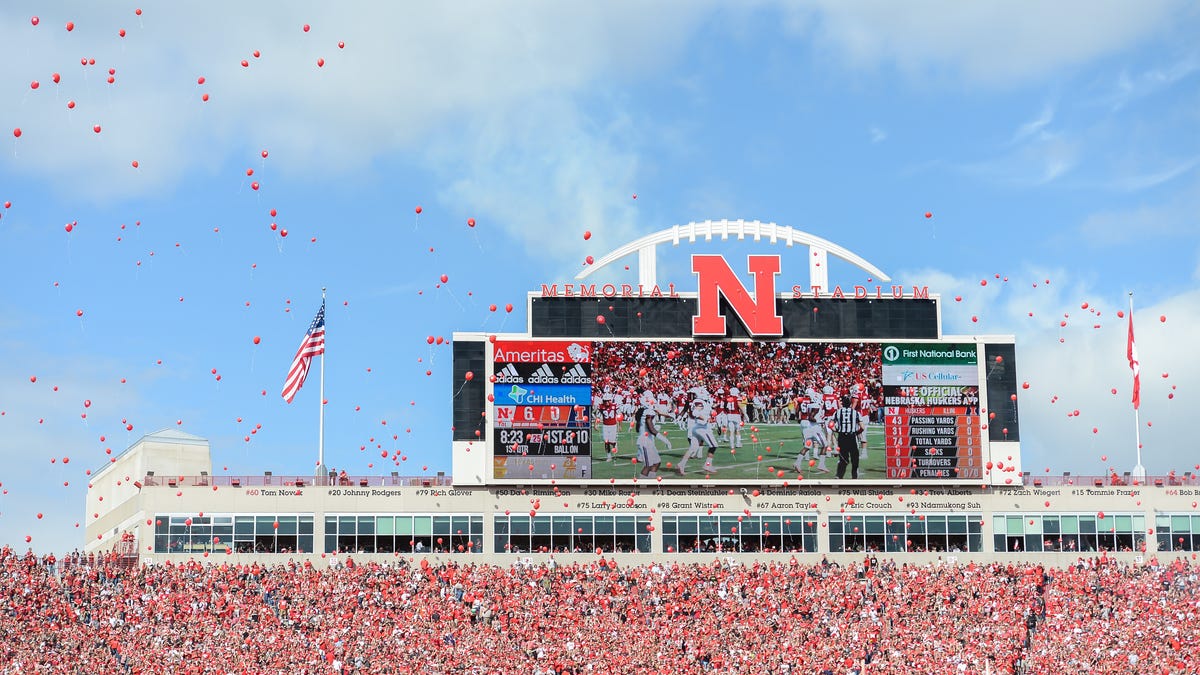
(931, 411)
(554, 403)
(542, 412)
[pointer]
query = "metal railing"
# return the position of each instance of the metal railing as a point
(1112, 479)
(271, 480)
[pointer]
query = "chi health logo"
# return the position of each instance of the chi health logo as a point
(508, 375)
(577, 352)
(891, 353)
(517, 394)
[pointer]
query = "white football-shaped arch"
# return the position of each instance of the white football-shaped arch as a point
(819, 249)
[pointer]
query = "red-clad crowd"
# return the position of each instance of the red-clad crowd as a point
(103, 616)
(757, 368)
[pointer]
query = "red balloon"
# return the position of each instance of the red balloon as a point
(418, 210)
(35, 84)
(257, 339)
(589, 260)
(34, 20)
(600, 319)
(928, 214)
(17, 132)
(587, 234)
(470, 222)
(305, 28)
(341, 45)
(96, 128)
(320, 63)
(445, 278)
(470, 376)
(70, 26)
(508, 307)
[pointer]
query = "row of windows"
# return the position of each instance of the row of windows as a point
(903, 532)
(739, 534)
(1069, 532)
(1177, 532)
(404, 534)
(288, 533)
(282, 533)
(571, 533)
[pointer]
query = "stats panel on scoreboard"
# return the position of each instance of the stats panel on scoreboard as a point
(694, 411)
(931, 420)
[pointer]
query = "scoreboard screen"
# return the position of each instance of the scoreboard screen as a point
(576, 410)
(931, 411)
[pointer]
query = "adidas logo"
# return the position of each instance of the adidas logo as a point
(543, 375)
(508, 375)
(576, 375)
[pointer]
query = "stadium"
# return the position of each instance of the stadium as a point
(645, 480)
(535, 476)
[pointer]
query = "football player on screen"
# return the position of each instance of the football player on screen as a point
(699, 430)
(643, 418)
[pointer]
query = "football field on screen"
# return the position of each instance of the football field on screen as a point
(777, 444)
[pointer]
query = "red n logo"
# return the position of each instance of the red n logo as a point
(715, 278)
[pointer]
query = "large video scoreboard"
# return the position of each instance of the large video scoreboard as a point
(623, 389)
(553, 399)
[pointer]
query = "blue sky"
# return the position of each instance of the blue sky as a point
(1049, 143)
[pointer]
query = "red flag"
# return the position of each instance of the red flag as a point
(313, 345)
(1132, 355)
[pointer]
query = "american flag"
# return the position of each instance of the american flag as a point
(313, 345)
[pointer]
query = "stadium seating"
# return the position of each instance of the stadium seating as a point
(86, 614)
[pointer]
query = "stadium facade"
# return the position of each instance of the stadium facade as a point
(570, 441)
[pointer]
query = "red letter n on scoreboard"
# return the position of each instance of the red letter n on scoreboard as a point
(715, 278)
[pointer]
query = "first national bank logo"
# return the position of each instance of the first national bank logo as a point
(716, 279)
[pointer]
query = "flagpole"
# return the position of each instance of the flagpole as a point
(1139, 471)
(321, 402)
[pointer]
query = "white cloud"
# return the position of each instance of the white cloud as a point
(982, 43)
(1076, 367)
(1175, 217)
(1129, 89)
(1040, 159)
(1034, 126)
(405, 71)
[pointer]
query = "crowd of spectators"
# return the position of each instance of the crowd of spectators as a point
(99, 615)
(774, 372)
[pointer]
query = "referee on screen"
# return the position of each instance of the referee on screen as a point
(848, 427)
